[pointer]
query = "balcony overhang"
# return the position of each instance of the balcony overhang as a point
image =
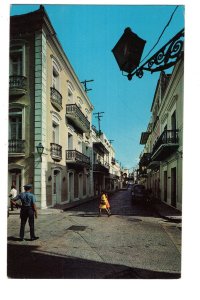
(56, 152)
(56, 99)
(154, 165)
(100, 168)
(76, 159)
(16, 148)
(76, 116)
(144, 137)
(145, 159)
(164, 151)
(17, 85)
(100, 146)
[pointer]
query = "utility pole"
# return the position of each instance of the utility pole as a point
(99, 116)
(85, 84)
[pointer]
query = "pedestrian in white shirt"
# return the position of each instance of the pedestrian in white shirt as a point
(13, 194)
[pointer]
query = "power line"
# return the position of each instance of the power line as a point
(161, 33)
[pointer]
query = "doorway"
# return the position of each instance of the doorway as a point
(165, 186)
(56, 182)
(173, 187)
(15, 178)
(71, 187)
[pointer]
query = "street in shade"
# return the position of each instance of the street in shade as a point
(136, 242)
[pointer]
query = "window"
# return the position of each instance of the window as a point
(173, 121)
(70, 90)
(15, 124)
(17, 54)
(70, 95)
(87, 113)
(55, 133)
(55, 79)
(56, 69)
(80, 102)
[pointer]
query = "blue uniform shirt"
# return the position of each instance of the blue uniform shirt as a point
(27, 199)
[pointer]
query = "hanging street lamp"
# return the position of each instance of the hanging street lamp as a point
(128, 52)
(40, 149)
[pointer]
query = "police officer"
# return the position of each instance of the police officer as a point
(28, 211)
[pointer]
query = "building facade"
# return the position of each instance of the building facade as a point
(105, 168)
(49, 109)
(160, 164)
(47, 105)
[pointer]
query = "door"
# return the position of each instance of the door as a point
(15, 178)
(173, 187)
(165, 186)
(56, 187)
(80, 186)
(71, 187)
(70, 141)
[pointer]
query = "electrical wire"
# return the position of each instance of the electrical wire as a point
(161, 33)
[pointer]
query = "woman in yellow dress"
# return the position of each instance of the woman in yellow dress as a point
(104, 204)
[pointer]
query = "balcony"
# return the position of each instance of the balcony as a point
(145, 159)
(142, 173)
(166, 145)
(74, 114)
(77, 158)
(16, 148)
(56, 98)
(17, 85)
(56, 151)
(113, 161)
(101, 167)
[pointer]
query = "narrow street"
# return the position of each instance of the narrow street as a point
(77, 244)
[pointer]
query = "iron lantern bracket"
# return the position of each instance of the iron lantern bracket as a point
(164, 58)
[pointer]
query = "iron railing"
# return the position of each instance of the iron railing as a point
(167, 137)
(73, 109)
(56, 151)
(56, 97)
(76, 156)
(16, 146)
(17, 82)
(145, 159)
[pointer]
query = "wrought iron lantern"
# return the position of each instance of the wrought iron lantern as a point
(40, 149)
(128, 51)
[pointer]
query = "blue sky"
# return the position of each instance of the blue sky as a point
(87, 34)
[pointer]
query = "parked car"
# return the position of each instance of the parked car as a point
(138, 192)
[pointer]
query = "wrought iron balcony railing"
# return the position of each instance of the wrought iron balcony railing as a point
(17, 84)
(74, 156)
(16, 146)
(165, 145)
(74, 113)
(56, 151)
(56, 98)
(145, 159)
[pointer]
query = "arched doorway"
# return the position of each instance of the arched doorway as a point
(56, 187)
(15, 178)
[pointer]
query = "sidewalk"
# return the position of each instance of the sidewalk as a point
(168, 212)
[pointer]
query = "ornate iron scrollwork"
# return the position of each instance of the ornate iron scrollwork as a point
(164, 58)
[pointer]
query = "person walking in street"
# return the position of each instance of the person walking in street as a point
(104, 204)
(28, 211)
(12, 194)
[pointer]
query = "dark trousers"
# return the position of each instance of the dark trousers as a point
(27, 213)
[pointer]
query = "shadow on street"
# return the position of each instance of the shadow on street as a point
(29, 262)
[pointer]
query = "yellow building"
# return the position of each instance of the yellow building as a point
(161, 160)
(47, 106)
